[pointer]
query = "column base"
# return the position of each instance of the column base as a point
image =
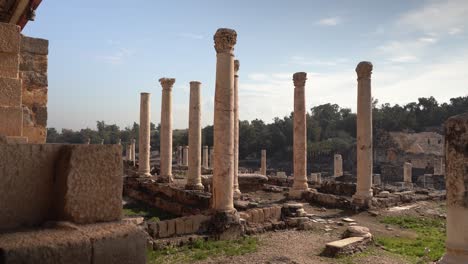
(408, 184)
(454, 257)
(165, 179)
(362, 200)
(237, 193)
(144, 174)
(296, 193)
(225, 225)
(196, 187)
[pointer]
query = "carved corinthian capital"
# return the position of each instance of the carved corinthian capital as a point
(299, 78)
(236, 65)
(167, 83)
(224, 40)
(364, 70)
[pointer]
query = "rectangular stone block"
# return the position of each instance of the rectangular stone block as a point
(35, 134)
(34, 45)
(10, 92)
(261, 216)
(198, 221)
(11, 121)
(255, 218)
(89, 183)
(9, 65)
(266, 213)
(10, 38)
(34, 97)
(34, 80)
(33, 62)
(162, 229)
(171, 227)
(116, 243)
(188, 224)
(16, 140)
(179, 226)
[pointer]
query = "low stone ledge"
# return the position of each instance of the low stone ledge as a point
(345, 246)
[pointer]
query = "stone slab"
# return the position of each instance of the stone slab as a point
(345, 246)
(89, 183)
(11, 121)
(345, 242)
(16, 140)
(34, 45)
(9, 65)
(35, 134)
(10, 92)
(10, 40)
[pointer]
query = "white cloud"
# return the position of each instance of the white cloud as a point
(406, 51)
(455, 31)
(190, 35)
(118, 57)
(329, 21)
(257, 76)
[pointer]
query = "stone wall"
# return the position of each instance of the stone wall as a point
(33, 72)
(76, 183)
(178, 227)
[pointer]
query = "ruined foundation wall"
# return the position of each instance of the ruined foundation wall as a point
(33, 72)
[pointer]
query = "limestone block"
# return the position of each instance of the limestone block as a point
(116, 243)
(41, 115)
(245, 216)
(34, 80)
(9, 65)
(16, 140)
(171, 227)
(162, 228)
(261, 216)
(34, 97)
(277, 212)
(254, 216)
(188, 223)
(10, 92)
(46, 246)
(33, 62)
(266, 213)
(89, 183)
(34, 45)
(10, 40)
(35, 134)
(197, 221)
(11, 121)
(179, 226)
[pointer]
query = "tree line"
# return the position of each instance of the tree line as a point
(330, 128)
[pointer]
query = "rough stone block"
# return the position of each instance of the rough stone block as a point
(34, 80)
(34, 45)
(266, 213)
(171, 227)
(11, 121)
(245, 215)
(33, 62)
(261, 216)
(89, 183)
(9, 65)
(162, 229)
(179, 226)
(345, 246)
(254, 216)
(10, 92)
(116, 243)
(198, 221)
(10, 40)
(35, 134)
(16, 140)
(188, 224)
(34, 97)
(41, 115)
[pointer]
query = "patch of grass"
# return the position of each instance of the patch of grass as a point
(139, 209)
(430, 235)
(201, 249)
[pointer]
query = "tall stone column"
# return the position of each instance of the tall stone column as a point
(119, 141)
(237, 192)
(456, 181)
(179, 155)
(102, 141)
(438, 166)
(300, 137)
(166, 130)
(223, 167)
(407, 173)
(210, 157)
(194, 162)
(144, 136)
(133, 151)
(186, 156)
(263, 162)
(338, 165)
(128, 152)
(205, 157)
(364, 135)
(88, 141)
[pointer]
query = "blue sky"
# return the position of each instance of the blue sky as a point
(102, 54)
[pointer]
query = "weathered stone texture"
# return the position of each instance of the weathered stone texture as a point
(90, 183)
(10, 40)
(10, 92)
(11, 121)
(9, 65)
(34, 45)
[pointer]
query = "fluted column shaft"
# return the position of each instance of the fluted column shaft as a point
(144, 136)
(337, 165)
(237, 192)
(223, 169)
(300, 137)
(210, 157)
(263, 162)
(134, 151)
(194, 161)
(364, 134)
(166, 130)
(186, 156)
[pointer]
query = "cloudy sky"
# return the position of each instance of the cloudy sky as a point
(102, 54)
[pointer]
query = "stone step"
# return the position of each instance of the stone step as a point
(345, 246)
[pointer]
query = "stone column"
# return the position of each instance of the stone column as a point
(300, 137)
(237, 192)
(456, 181)
(102, 141)
(88, 141)
(128, 152)
(263, 162)
(144, 136)
(364, 135)
(211, 157)
(408, 173)
(438, 166)
(179, 155)
(194, 161)
(205, 157)
(185, 156)
(166, 130)
(338, 165)
(223, 167)
(133, 158)
(119, 141)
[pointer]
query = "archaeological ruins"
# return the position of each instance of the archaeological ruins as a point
(63, 203)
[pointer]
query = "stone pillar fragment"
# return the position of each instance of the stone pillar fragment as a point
(144, 136)
(456, 181)
(166, 130)
(88, 141)
(211, 157)
(185, 156)
(223, 167)
(128, 152)
(237, 192)
(102, 141)
(263, 163)
(133, 151)
(300, 137)
(438, 166)
(194, 161)
(408, 173)
(364, 135)
(179, 155)
(205, 157)
(338, 165)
